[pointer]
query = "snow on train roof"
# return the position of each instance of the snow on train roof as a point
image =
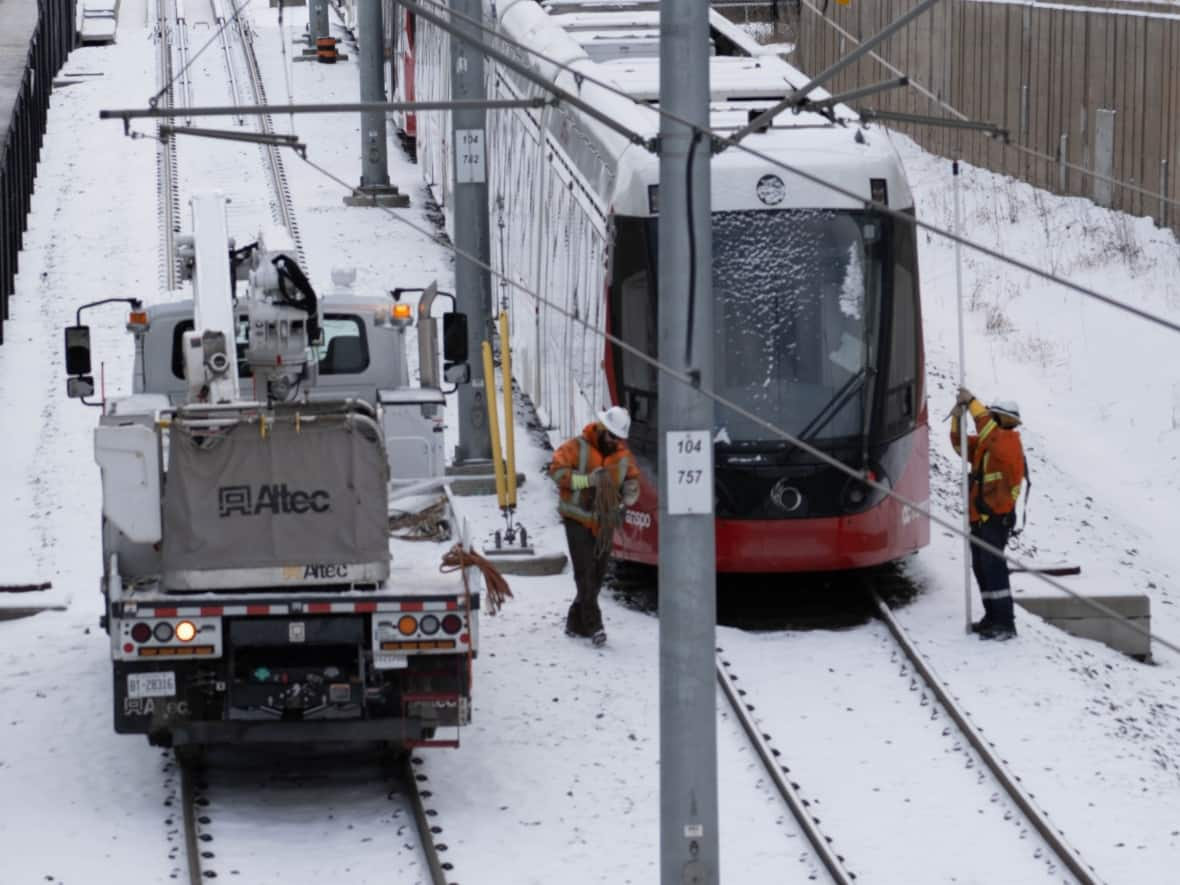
(617, 43)
(625, 46)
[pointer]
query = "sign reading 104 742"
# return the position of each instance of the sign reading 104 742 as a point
(690, 471)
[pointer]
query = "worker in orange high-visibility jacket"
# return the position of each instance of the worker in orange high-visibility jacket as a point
(575, 468)
(997, 463)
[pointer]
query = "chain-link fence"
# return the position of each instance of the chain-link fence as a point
(51, 36)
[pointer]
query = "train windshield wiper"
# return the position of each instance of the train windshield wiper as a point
(833, 406)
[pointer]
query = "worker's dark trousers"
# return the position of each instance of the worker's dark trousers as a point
(991, 572)
(585, 617)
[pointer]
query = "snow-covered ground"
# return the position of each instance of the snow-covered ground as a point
(558, 777)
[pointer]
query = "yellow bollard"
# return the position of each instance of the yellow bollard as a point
(489, 377)
(509, 431)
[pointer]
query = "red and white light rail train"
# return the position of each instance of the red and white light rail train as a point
(817, 313)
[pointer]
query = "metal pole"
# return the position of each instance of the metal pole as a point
(318, 23)
(374, 189)
(473, 286)
(688, 562)
(963, 484)
(374, 167)
(1063, 163)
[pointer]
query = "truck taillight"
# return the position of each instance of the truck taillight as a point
(185, 631)
(428, 625)
(141, 632)
(407, 625)
(163, 631)
(452, 624)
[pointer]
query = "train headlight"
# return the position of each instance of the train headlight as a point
(879, 190)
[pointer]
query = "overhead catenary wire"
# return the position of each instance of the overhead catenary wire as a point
(775, 430)
(959, 115)
(722, 140)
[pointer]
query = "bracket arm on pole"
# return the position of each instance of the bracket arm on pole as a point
(992, 129)
(351, 107)
(854, 94)
(800, 95)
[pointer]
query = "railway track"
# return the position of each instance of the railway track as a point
(935, 698)
(204, 828)
(282, 205)
(227, 55)
(178, 90)
(167, 174)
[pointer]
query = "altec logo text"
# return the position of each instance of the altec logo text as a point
(274, 499)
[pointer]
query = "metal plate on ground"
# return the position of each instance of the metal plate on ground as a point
(151, 685)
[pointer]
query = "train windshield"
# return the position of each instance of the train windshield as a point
(796, 293)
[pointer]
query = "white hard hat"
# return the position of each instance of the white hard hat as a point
(617, 420)
(1006, 407)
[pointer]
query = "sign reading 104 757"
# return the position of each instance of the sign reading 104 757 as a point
(690, 471)
(470, 167)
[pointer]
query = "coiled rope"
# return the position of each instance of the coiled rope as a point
(458, 559)
(607, 509)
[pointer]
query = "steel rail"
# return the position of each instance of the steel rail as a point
(1054, 837)
(438, 875)
(192, 848)
(227, 55)
(167, 173)
(274, 161)
(182, 49)
(820, 843)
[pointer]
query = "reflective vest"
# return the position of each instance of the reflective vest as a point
(997, 466)
(579, 455)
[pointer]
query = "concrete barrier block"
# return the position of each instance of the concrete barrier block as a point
(1078, 619)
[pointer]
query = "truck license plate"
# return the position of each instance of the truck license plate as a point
(151, 685)
(385, 660)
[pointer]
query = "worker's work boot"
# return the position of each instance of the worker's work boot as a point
(999, 632)
(599, 638)
(982, 625)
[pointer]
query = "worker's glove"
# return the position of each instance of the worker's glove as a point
(965, 397)
(630, 492)
(580, 481)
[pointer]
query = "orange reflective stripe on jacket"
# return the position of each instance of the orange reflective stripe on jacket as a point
(579, 455)
(997, 467)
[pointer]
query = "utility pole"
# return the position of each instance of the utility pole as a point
(375, 189)
(688, 560)
(473, 287)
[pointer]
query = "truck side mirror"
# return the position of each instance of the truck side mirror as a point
(78, 351)
(455, 337)
(458, 373)
(80, 386)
